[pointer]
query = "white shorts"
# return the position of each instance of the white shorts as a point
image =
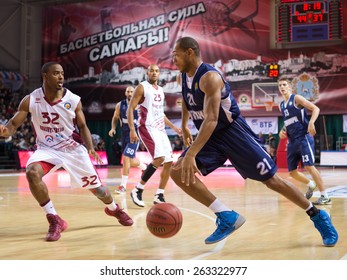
(157, 142)
(76, 162)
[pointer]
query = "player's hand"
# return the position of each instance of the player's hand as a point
(283, 134)
(178, 130)
(311, 129)
(3, 131)
(133, 137)
(189, 169)
(96, 156)
(187, 137)
(112, 132)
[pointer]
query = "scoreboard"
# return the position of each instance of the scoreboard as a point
(305, 23)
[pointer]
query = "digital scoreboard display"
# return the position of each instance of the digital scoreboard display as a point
(308, 23)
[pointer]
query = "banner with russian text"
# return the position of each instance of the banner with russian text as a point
(106, 45)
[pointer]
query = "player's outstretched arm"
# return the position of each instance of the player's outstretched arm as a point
(19, 117)
(114, 121)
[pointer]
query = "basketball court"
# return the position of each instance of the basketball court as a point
(275, 229)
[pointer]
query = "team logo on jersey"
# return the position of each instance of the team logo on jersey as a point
(307, 86)
(190, 98)
(196, 86)
(67, 105)
(49, 138)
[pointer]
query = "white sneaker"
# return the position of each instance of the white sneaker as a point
(159, 198)
(136, 196)
(120, 190)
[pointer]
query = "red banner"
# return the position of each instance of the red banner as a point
(106, 45)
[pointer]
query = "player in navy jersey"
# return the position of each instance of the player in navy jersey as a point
(300, 132)
(224, 134)
(55, 112)
(129, 159)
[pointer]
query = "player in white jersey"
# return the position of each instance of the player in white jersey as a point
(54, 113)
(150, 98)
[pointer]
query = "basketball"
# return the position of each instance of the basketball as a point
(164, 220)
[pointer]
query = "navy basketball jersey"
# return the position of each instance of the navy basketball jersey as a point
(193, 97)
(295, 119)
(123, 116)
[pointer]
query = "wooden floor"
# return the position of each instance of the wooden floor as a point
(275, 228)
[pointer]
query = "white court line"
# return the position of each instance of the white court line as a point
(12, 174)
(344, 257)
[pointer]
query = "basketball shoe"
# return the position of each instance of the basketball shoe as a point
(56, 226)
(120, 189)
(322, 201)
(311, 187)
(136, 196)
(227, 222)
(323, 224)
(120, 215)
(159, 198)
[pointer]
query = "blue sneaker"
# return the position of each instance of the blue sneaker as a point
(323, 223)
(227, 222)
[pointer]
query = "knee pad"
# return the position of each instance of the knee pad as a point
(150, 170)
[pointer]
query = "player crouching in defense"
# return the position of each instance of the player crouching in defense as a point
(54, 112)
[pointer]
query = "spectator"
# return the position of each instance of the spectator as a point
(270, 144)
(3, 120)
(177, 144)
(261, 138)
(142, 147)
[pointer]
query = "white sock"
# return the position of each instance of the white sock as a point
(142, 166)
(124, 181)
(140, 186)
(217, 206)
(112, 206)
(49, 208)
(309, 207)
(159, 191)
(311, 184)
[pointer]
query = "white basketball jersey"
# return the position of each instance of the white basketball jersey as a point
(54, 124)
(152, 108)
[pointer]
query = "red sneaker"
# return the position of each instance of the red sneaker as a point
(56, 226)
(121, 216)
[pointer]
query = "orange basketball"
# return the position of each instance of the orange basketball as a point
(164, 220)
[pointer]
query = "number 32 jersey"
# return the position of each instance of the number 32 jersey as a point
(54, 123)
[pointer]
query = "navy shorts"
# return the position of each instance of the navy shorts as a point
(125, 140)
(300, 149)
(241, 146)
